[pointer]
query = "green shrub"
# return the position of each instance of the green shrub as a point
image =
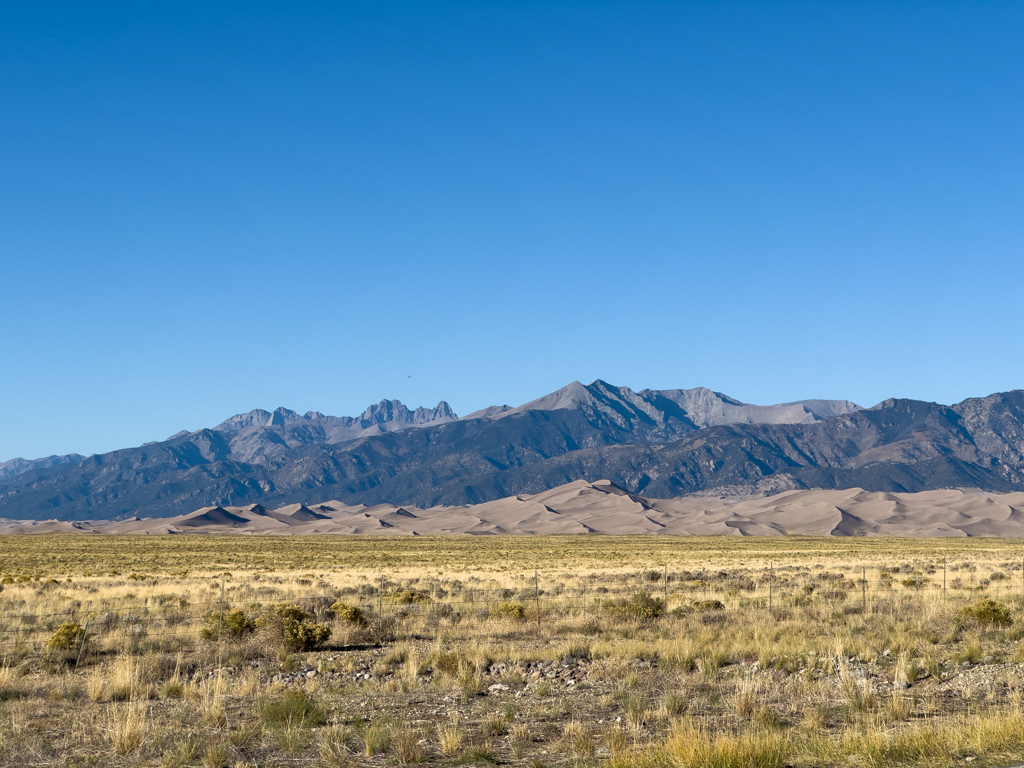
(411, 596)
(351, 614)
(639, 606)
(304, 635)
(234, 623)
(291, 611)
(513, 611)
(986, 613)
(293, 708)
(67, 637)
(293, 627)
(914, 582)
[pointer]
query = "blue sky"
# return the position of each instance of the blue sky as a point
(207, 208)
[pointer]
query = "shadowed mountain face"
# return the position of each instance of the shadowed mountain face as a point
(664, 444)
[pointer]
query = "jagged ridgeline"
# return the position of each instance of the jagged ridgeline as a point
(659, 443)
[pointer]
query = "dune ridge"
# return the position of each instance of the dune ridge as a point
(601, 507)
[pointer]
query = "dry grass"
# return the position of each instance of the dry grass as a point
(450, 737)
(837, 672)
(127, 727)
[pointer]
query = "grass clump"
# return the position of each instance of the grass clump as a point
(378, 739)
(293, 708)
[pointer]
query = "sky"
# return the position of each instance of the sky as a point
(211, 207)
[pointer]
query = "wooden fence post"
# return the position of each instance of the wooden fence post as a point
(536, 594)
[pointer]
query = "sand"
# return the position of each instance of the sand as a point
(601, 507)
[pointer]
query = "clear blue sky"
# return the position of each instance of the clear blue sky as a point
(207, 208)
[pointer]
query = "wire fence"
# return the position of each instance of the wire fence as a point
(170, 622)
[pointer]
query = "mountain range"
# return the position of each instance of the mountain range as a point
(661, 443)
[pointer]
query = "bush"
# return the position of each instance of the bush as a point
(234, 623)
(67, 637)
(293, 627)
(640, 606)
(411, 596)
(304, 635)
(348, 613)
(513, 611)
(986, 613)
(291, 611)
(704, 606)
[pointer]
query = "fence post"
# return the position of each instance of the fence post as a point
(536, 595)
(85, 636)
(666, 587)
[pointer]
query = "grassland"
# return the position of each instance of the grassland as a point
(539, 652)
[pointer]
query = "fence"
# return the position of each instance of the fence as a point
(172, 623)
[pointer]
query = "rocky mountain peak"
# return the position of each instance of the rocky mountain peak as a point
(394, 411)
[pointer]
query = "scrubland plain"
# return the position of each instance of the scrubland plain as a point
(531, 651)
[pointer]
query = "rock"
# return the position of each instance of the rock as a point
(988, 659)
(497, 688)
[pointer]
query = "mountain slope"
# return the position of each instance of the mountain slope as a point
(664, 444)
(14, 467)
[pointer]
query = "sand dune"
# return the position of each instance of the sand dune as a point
(601, 507)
